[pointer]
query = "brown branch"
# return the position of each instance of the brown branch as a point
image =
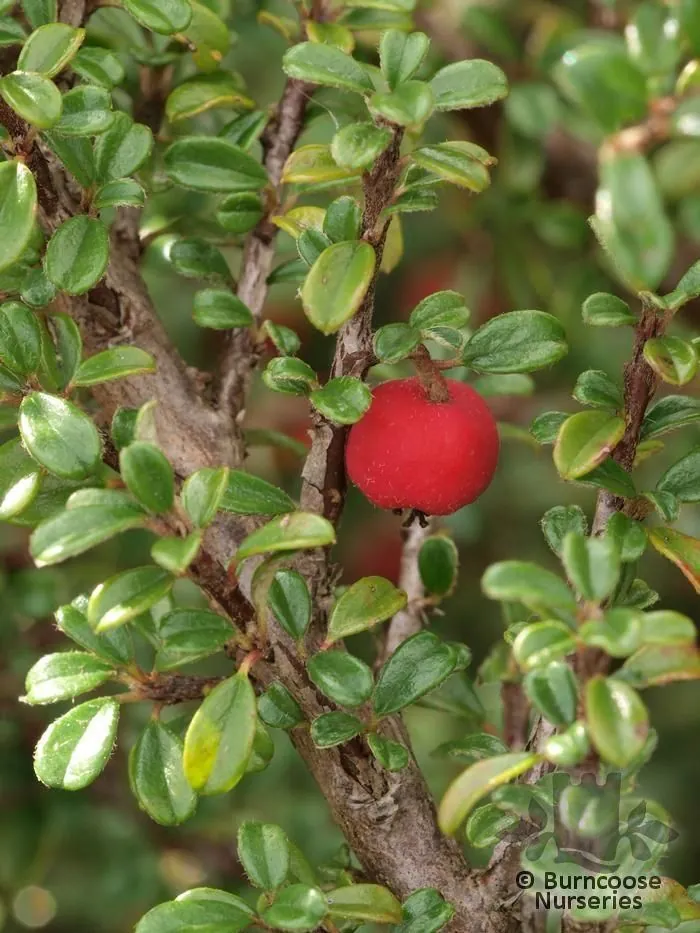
(516, 711)
(409, 620)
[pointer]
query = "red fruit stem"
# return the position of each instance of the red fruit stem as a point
(430, 376)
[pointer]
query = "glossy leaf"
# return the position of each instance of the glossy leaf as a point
(77, 255)
(418, 665)
(63, 676)
(394, 342)
(673, 359)
(175, 554)
(239, 213)
(314, 165)
(569, 747)
(75, 531)
(343, 400)
(115, 647)
(202, 494)
(188, 635)
(297, 907)
(246, 494)
(363, 605)
(401, 55)
(157, 777)
(165, 16)
(617, 633)
(668, 413)
(519, 341)
(18, 201)
(264, 852)
(290, 602)
(425, 911)
(584, 441)
(558, 521)
(59, 435)
(220, 310)
(324, 64)
(337, 284)
(122, 149)
(117, 363)
(334, 728)
(75, 748)
(148, 475)
(391, 755)
(592, 565)
(126, 595)
(278, 708)
(409, 104)
(368, 903)
(202, 910)
(456, 162)
(359, 145)
(683, 550)
(291, 532)
(20, 338)
(289, 375)
(540, 643)
(467, 84)
(124, 192)
(206, 92)
(520, 581)
(476, 782)
(50, 48)
(618, 723)
(552, 690)
(341, 677)
(603, 310)
(209, 164)
(219, 740)
(33, 97)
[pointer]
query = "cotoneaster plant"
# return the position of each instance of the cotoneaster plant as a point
(127, 128)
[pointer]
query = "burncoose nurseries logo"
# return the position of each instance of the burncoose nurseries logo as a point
(590, 847)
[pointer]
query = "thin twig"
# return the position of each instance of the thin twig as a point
(410, 619)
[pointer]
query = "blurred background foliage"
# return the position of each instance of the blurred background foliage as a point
(93, 862)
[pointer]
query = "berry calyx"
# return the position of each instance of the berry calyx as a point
(409, 452)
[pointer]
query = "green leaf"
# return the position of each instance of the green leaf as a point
(545, 427)
(77, 255)
(34, 98)
(401, 55)
(176, 554)
(75, 152)
(246, 494)
(628, 535)
(592, 565)
(337, 284)
(617, 633)
(341, 677)
(17, 208)
(368, 903)
(263, 750)
(331, 34)
(441, 309)
(391, 755)
(605, 83)
(263, 849)
(476, 782)
(363, 605)
(460, 163)
(342, 220)
(425, 911)
(324, 64)
(472, 748)
(114, 647)
(334, 728)
(524, 582)
(552, 690)
(62, 676)
(682, 550)
(597, 389)
(75, 531)
(20, 480)
(117, 363)
(297, 908)
(682, 479)
(438, 564)
(343, 400)
(202, 494)
(603, 310)
(290, 602)
(289, 375)
(39, 12)
(558, 521)
(668, 413)
(569, 747)
(188, 635)
(148, 475)
(542, 642)
(205, 92)
(278, 708)
(687, 289)
(467, 84)
(36, 290)
(59, 436)
(209, 164)
(291, 532)
(655, 665)
(98, 66)
(666, 627)
(239, 213)
(220, 737)
(519, 341)
(50, 48)
(630, 221)
(164, 16)
(487, 825)
(126, 595)
(673, 359)
(311, 243)
(618, 723)
(210, 36)
(314, 165)
(418, 665)
(195, 258)
(394, 342)
(75, 748)
(122, 149)
(124, 192)
(157, 777)
(584, 441)
(359, 145)
(20, 338)
(220, 309)
(11, 32)
(202, 910)
(410, 104)
(285, 340)
(87, 111)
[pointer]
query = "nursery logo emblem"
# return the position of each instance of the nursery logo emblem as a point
(582, 825)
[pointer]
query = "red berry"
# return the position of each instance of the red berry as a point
(410, 453)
